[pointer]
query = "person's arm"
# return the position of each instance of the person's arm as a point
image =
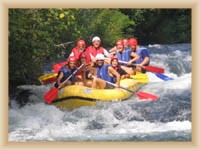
(115, 73)
(128, 70)
(91, 73)
(71, 54)
(105, 52)
(146, 57)
(114, 49)
(135, 58)
(145, 61)
(59, 79)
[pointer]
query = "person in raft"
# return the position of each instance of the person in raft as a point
(115, 50)
(124, 71)
(79, 49)
(105, 72)
(142, 52)
(95, 49)
(81, 75)
(65, 72)
(125, 55)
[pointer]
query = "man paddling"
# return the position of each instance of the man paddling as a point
(65, 72)
(144, 57)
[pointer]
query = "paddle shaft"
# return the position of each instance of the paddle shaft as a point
(119, 86)
(140, 95)
(72, 74)
(124, 62)
(120, 61)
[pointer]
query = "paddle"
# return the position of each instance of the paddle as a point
(148, 68)
(53, 92)
(51, 77)
(140, 95)
(163, 77)
(154, 69)
(157, 71)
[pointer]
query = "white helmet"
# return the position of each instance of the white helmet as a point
(99, 57)
(96, 38)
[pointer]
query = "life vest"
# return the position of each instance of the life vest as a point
(102, 72)
(91, 50)
(120, 70)
(124, 56)
(142, 52)
(76, 53)
(67, 73)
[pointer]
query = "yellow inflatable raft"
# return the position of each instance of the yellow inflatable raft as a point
(76, 96)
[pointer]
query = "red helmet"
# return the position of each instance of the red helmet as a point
(113, 58)
(119, 42)
(80, 43)
(71, 59)
(132, 42)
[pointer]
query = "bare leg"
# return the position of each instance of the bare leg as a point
(89, 83)
(98, 83)
(79, 80)
(129, 70)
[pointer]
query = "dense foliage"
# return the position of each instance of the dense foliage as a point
(35, 34)
(160, 25)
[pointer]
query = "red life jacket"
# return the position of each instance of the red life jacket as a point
(76, 52)
(91, 50)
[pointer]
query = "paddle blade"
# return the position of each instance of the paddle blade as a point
(154, 69)
(148, 96)
(51, 95)
(163, 77)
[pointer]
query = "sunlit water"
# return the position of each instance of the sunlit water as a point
(167, 119)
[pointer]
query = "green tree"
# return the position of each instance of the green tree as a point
(33, 34)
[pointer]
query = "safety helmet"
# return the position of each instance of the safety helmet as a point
(71, 59)
(119, 42)
(99, 57)
(113, 58)
(80, 43)
(132, 42)
(96, 38)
